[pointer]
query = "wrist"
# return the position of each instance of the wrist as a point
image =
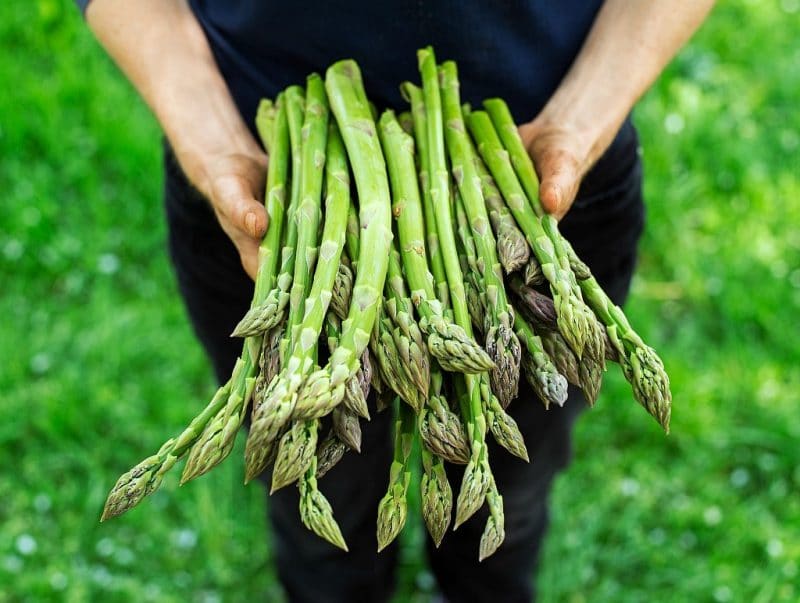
(203, 124)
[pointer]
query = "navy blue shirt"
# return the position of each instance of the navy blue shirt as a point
(516, 49)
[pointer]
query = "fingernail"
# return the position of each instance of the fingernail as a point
(250, 224)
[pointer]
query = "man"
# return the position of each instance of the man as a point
(571, 71)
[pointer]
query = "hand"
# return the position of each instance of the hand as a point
(561, 157)
(582, 117)
(163, 50)
(234, 185)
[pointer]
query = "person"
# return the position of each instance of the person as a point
(571, 72)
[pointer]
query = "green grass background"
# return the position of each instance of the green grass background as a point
(98, 364)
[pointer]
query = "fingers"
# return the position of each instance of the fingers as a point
(555, 155)
(246, 245)
(248, 253)
(241, 215)
(235, 199)
(559, 177)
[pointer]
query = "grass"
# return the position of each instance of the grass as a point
(99, 364)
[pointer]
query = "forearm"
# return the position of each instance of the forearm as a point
(627, 48)
(162, 49)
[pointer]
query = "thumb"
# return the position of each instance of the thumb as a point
(237, 203)
(559, 178)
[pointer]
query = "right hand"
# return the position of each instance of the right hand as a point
(164, 52)
(234, 185)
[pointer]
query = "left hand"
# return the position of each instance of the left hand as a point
(580, 120)
(561, 157)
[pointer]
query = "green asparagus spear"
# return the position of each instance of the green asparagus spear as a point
(640, 363)
(473, 280)
(440, 429)
(556, 347)
(393, 508)
(281, 397)
(503, 427)
(217, 439)
(494, 533)
(436, 496)
(542, 374)
(145, 478)
(271, 309)
(448, 343)
(342, 289)
(415, 97)
(501, 341)
(324, 389)
(475, 481)
(413, 353)
(577, 323)
(315, 510)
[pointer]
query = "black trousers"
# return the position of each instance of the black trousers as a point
(604, 226)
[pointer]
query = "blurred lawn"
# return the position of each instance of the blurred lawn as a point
(99, 364)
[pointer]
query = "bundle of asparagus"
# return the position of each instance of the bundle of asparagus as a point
(420, 286)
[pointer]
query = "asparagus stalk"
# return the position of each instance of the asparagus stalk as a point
(270, 311)
(393, 508)
(577, 323)
(296, 451)
(388, 360)
(346, 427)
(503, 427)
(532, 273)
(640, 363)
(506, 129)
(344, 421)
(342, 289)
(324, 389)
(145, 478)
(541, 373)
(268, 363)
(556, 347)
(282, 393)
(358, 386)
(440, 429)
(475, 481)
(591, 375)
(315, 510)
(535, 306)
(329, 452)
(501, 341)
(419, 117)
(265, 121)
(436, 496)
(218, 437)
(309, 210)
(478, 473)
(513, 250)
(473, 282)
(494, 533)
(413, 353)
(447, 342)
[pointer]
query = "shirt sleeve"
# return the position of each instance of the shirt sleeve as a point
(82, 4)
